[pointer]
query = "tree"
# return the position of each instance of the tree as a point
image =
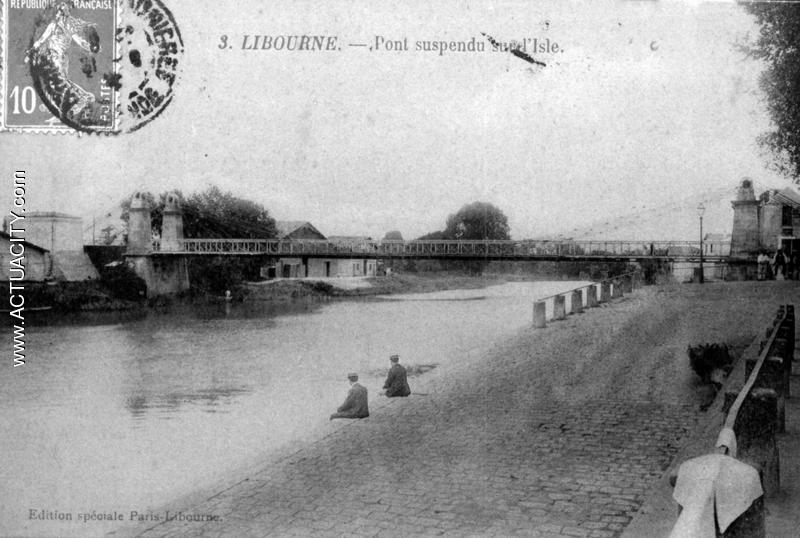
(433, 236)
(394, 235)
(216, 214)
(777, 46)
(212, 214)
(478, 220)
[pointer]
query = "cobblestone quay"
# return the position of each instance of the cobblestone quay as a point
(560, 432)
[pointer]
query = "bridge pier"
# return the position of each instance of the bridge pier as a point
(163, 275)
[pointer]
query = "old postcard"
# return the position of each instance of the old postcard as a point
(356, 269)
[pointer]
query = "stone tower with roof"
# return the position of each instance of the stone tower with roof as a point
(165, 274)
(745, 234)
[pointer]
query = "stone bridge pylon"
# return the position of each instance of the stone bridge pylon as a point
(164, 275)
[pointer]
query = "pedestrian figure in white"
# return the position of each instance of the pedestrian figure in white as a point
(50, 64)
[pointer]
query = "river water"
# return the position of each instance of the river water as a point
(113, 415)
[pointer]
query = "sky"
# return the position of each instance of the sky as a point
(648, 108)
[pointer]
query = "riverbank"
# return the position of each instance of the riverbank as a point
(560, 432)
(287, 289)
(87, 296)
(102, 296)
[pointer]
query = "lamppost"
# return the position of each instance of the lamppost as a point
(701, 209)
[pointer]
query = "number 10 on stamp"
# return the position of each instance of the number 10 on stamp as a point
(57, 62)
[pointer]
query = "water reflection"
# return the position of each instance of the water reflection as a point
(211, 400)
(199, 310)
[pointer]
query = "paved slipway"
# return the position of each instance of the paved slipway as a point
(558, 432)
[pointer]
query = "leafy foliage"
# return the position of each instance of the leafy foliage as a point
(475, 221)
(706, 358)
(432, 236)
(211, 214)
(478, 220)
(778, 45)
(215, 274)
(393, 235)
(123, 282)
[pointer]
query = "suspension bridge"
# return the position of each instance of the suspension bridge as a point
(441, 249)
(162, 262)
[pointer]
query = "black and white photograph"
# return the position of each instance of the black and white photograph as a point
(386, 269)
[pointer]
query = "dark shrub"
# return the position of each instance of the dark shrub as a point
(215, 274)
(122, 282)
(319, 286)
(706, 358)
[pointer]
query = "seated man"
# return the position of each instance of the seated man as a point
(355, 405)
(396, 383)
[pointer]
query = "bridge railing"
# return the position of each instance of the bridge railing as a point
(442, 248)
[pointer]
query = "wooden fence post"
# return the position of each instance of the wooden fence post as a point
(539, 314)
(616, 290)
(771, 376)
(605, 291)
(627, 283)
(559, 307)
(755, 433)
(591, 296)
(577, 302)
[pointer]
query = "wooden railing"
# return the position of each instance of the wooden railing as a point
(610, 288)
(755, 415)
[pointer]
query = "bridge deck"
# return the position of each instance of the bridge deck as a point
(496, 250)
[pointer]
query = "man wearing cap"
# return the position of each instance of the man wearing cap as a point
(355, 405)
(397, 382)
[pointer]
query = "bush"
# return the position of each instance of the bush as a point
(705, 359)
(123, 283)
(319, 287)
(216, 274)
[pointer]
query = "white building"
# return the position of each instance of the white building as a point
(60, 235)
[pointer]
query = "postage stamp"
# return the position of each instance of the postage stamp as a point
(97, 66)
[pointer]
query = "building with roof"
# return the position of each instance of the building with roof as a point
(339, 267)
(297, 229)
(60, 236)
(305, 267)
(768, 223)
(717, 244)
(37, 263)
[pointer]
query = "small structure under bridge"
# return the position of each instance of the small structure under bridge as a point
(162, 263)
